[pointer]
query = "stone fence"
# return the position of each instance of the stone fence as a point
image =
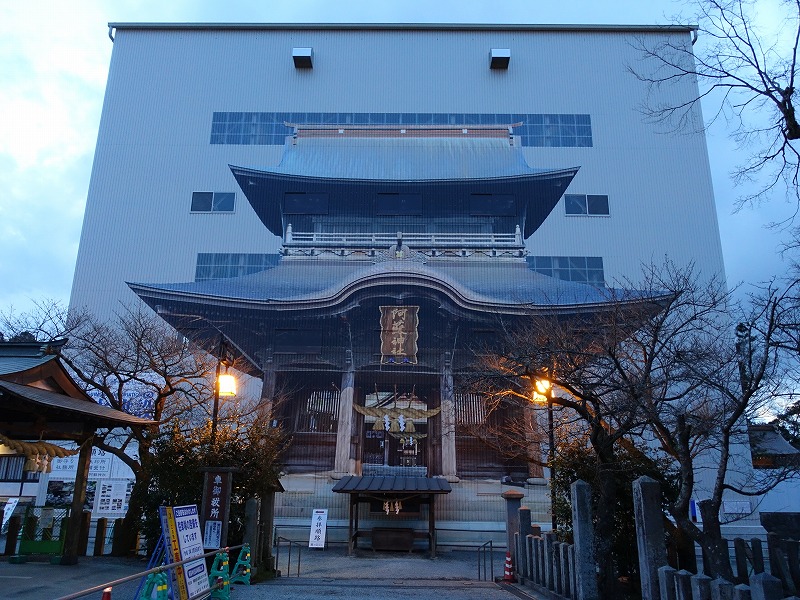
(562, 570)
(662, 582)
(559, 569)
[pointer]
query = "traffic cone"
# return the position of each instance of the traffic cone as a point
(106, 594)
(508, 571)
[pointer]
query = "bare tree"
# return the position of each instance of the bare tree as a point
(657, 371)
(602, 365)
(747, 75)
(135, 363)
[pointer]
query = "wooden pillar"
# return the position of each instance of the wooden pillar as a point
(70, 556)
(343, 464)
(432, 525)
(350, 527)
(100, 537)
(267, 400)
(448, 420)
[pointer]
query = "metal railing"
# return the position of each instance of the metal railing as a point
(159, 569)
(292, 545)
(483, 550)
(411, 239)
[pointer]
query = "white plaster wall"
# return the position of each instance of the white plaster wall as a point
(153, 146)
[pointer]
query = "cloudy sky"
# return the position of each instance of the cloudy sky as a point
(54, 58)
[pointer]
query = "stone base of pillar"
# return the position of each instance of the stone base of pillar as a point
(451, 478)
(537, 481)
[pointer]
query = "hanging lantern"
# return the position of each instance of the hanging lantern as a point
(227, 385)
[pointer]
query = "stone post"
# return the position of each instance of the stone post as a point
(566, 571)
(525, 527)
(448, 420)
(721, 589)
(573, 584)
(683, 585)
(666, 582)
(541, 565)
(549, 570)
(557, 572)
(513, 500)
(530, 544)
(252, 509)
(100, 538)
(701, 587)
(649, 534)
(343, 465)
(583, 533)
(525, 530)
(741, 592)
(764, 586)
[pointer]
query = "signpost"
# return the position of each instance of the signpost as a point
(181, 528)
(319, 525)
(215, 512)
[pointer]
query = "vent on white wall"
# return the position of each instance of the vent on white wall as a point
(499, 58)
(302, 58)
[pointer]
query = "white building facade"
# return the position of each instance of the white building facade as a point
(186, 103)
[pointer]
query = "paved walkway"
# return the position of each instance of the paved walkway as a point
(453, 574)
(323, 573)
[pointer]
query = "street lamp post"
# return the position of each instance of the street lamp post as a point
(224, 385)
(544, 389)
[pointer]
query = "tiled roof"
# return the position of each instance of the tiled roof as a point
(387, 484)
(17, 364)
(86, 408)
(317, 282)
(404, 159)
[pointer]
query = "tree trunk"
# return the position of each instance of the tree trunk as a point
(715, 547)
(133, 519)
(604, 533)
(605, 512)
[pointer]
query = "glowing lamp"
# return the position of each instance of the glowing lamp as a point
(227, 385)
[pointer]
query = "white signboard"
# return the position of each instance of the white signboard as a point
(66, 467)
(319, 524)
(181, 524)
(111, 499)
(213, 534)
(8, 510)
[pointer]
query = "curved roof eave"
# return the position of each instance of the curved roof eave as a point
(279, 175)
(339, 294)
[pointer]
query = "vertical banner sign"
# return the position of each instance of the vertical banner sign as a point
(181, 527)
(399, 334)
(319, 524)
(216, 507)
(8, 510)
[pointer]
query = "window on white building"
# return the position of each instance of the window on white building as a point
(586, 204)
(213, 201)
